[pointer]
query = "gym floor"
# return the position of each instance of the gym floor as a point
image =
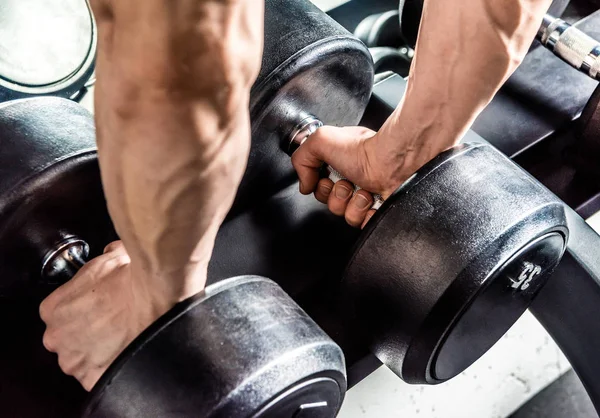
(520, 366)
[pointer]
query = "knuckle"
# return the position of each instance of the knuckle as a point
(352, 219)
(68, 367)
(48, 341)
(296, 156)
(46, 309)
(113, 246)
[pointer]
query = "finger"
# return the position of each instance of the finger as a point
(71, 364)
(49, 342)
(340, 197)
(89, 380)
(358, 207)
(309, 158)
(46, 308)
(114, 246)
(324, 190)
(368, 218)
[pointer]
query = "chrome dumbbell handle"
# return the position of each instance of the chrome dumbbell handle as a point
(64, 260)
(571, 45)
(301, 133)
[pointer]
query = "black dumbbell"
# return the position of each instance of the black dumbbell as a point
(52, 212)
(325, 71)
(391, 59)
(54, 58)
(380, 30)
(494, 224)
(240, 348)
(451, 260)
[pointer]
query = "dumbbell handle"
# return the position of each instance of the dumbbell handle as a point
(63, 261)
(301, 133)
(571, 45)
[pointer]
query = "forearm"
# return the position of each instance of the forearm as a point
(173, 128)
(465, 52)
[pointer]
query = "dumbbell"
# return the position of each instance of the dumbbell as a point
(571, 45)
(242, 347)
(471, 232)
(46, 220)
(48, 48)
(453, 258)
(380, 30)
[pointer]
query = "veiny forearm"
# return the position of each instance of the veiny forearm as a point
(173, 126)
(466, 50)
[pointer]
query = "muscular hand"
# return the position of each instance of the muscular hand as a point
(173, 131)
(466, 50)
(93, 317)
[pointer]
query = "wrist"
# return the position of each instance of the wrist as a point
(161, 291)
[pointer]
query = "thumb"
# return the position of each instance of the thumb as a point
(311, 155)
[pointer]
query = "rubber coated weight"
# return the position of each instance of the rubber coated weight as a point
(391, 59)
(452, 260)
(50, 187)
(311, 65)
(242, 348)
(48, 47)
(380, 30)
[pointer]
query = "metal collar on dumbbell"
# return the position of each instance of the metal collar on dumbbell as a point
(302, 131)
(64, 260)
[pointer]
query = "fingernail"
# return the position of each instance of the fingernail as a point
(326, 188)
(342, 192)
(362, 202)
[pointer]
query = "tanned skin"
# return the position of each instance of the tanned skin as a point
(465, 51)
(172, 96)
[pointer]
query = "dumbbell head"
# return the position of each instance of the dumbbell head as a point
(452, 260)
(311, 66)
(380, 30)
(242, 348)
(51, 198)
(48, 47)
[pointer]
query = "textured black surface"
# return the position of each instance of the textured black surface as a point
(227, 352)
(350, 14)
(46, 47)
(568, 306)
(49, 186)
(48, 157)
(381, 29)
(441, 248)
